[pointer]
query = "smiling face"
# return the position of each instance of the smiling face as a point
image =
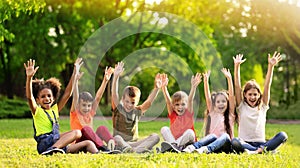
(85, 106)
(221, 103)
(45, 98)
(252, 96)
(252, 93)
(129, 103)
(179, 102)
(180, 106)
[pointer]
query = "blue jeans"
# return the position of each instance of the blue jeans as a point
(239, 145)
(205, 141)
(214, 144)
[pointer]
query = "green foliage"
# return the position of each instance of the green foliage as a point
(17, 141)
(14, 108)
(13, 9)
(53, 32)
(284, 112)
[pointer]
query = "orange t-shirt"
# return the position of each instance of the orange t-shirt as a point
(79, 120)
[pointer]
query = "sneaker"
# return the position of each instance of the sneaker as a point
(52, 150)
(127, 149)
(189, 149)
(203, 149)
(169, 147)
(175, 148)
(165, 147)
(249, 152)
(158, 150)
(111, 144)
(110, 152)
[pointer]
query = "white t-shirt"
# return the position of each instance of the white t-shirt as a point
(252, 122)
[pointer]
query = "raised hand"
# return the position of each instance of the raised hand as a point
(30, 70)
(275, 58)
(196, 79)
(78, 63)
(226, 72)
(238, 59)
(119, 68)
(108, 73)
(206, 75)
(158, 81)
(164, 79)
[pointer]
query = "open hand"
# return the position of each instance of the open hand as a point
(196, 79)
(206, 75)
(119, 68)
(226, 72)
(238, 59)
(158, 81)
(30, 70)
(164, 79)
(108, 72)
(275, 59)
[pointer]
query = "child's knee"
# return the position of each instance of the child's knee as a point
(164, 129)
(226, 136)
(101, 129)
(191, 133)
(118, 139)
(89, 143)
(77, 134)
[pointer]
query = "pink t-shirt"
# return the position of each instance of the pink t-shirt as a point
(217, 125)
(180, 123)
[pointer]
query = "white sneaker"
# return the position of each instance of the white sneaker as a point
(203, 149)
(189, 149)
(111, 145)
(249, 152)
(52, 150)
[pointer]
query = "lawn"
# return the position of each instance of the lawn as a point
(18, 149)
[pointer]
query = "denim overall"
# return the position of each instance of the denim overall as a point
(45, 141)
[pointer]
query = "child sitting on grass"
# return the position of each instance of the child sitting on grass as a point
(127, 113)
(82, 112)
(180, 111)
(42, 99)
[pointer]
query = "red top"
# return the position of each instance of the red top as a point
(180, 123)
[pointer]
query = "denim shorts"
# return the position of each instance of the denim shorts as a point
(44, 142)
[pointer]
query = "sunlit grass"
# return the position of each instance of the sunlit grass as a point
(18, 149)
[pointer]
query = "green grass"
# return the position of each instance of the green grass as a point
(18, 149)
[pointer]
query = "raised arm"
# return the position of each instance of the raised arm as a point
(194, 83)
(119, 68)
(238, 60)
(100, 91)
(272, 61)
(68, 92)
(207, 91)
(148, 102)
(30, 71)
(165, 80)
(75, 88)
(228, 76)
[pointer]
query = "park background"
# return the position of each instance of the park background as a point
(53, 32)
